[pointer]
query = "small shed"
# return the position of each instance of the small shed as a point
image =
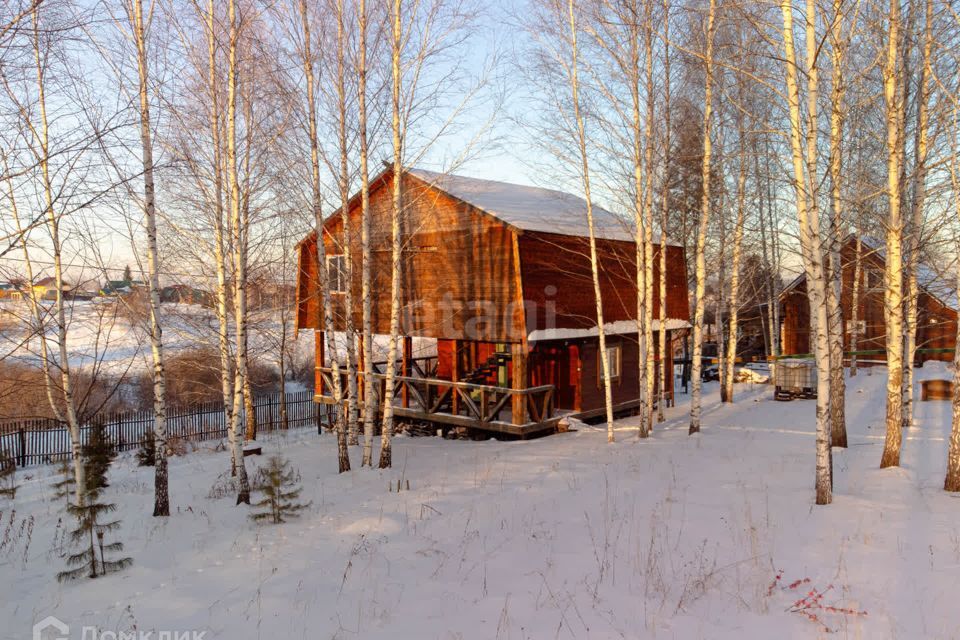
(499, 276)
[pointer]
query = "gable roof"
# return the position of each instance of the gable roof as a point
(521, 207)
(529, 208)
(49, 282)
(928, 278)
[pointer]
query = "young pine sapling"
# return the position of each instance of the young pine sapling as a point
(278, 483)
(89, 534)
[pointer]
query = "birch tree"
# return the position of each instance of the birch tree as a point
(733, 300)
(308, 62)
(701, 265)
(239, 255)
(139, 27)
(396, 211)
(574, 79)
(918, 189)
(806, 186)
(948, 87)
(647, 355)
(838, 41)
(664, 215)
(343, 105)
(39, 130)
(366, 293)
(893, 270)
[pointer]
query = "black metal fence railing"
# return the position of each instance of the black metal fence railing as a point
(41, 441)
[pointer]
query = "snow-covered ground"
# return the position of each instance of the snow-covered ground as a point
(561, 537)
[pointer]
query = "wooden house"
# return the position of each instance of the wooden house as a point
(499, 276)
(46, 288)
(936, 308)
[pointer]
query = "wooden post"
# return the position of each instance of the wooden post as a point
(405, 369)
(573, 355)
(518, 353)
(23, 443)
(320, 357)
(454, 398)
(668, 371)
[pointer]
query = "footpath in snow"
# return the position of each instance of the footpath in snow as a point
(561, 537)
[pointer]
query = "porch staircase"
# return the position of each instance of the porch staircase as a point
(487, 368)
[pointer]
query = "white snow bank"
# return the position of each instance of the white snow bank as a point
(566, 536)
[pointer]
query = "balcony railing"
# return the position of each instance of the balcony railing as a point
(486, 407)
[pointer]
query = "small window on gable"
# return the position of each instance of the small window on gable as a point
(615, 358)
(874, 279)
(861, 327)
(337, 274)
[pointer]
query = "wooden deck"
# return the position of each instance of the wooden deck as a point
(515, 412)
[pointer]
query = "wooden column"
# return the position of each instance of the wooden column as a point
(319, 359)
(455, 376)
(576, 379)
(518, 358)
(405, 369)
(668, 370)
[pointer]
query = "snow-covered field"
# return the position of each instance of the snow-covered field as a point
(98, 333)
(561, 537)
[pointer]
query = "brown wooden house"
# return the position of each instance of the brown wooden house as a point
(499, 276)
(936, 308)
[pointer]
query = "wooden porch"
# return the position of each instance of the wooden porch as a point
(515, 412)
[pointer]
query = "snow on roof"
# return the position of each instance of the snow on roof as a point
(530, 208)
(928, 278)
(610, 328)
(941, 288)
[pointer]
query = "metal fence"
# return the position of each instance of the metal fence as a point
(31, 442)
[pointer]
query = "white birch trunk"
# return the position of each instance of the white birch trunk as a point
(53, 226)
(805, 188)
(733, 312)
(664, 216)
(951, 481)
(893, 273)
(221, 232)
(643, 430)
(365, 277)
(353, 428)
(161, 506)
(36, 312)
(919, 189)
(239, 257)
(585, 173)
(396, 47)
(648, 362)
(838, 427)
(696, 383)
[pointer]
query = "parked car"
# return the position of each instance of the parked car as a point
(740, 374)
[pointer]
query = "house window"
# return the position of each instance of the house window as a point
(337, 274)
(615, 358)
(861, 328)
(874, 280)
